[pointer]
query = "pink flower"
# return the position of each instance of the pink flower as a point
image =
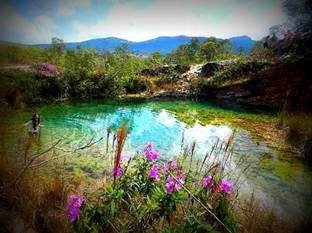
(226, 187)
(166, 168)
(173, 165)
(149, 152)
(149, 146)
(170, 165)
(117, 172)
(73, 206)
(154, 172)
(206, 182)
(179, 182)
(101, 198)
(169, 185)
(152, 155)
(174, 184)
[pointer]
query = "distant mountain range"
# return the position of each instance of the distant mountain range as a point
(164, 44)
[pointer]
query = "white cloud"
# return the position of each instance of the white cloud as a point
(20, 29)
(69, 7)
(220, 18)
(184, 17)
(45, 22)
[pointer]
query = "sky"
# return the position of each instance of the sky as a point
(37, 21)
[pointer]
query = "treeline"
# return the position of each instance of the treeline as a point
(86, 72)
(201, 52)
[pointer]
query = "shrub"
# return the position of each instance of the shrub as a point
(236, 71)
(148, 192)
(137, 84)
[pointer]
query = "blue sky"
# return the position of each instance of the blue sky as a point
(36, 21)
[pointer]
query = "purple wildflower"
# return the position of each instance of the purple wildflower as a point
(166, 168)
(149, 146)
(226, 186)
(117, 172)
(171, 164)
(169, 185)
(206, 182)
(154, 172)
(149, 152)
(174, 184)
(101, 198)
(180, 181)
(153, 155)
(73, 206)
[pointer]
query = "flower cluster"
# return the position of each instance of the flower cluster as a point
(45, 67)
(117, 172)
(149, 152)
(169, 165)
(73, 206)
(154, 173)
(174, 184)
(225, 185)
(206, 182)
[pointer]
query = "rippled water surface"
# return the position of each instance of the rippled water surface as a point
(279, 180)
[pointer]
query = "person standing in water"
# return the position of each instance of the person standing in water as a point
(33, 126)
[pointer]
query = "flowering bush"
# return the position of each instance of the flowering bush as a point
(44, 68)
(144, 195)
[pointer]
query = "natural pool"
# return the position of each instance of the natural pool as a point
(279, 180)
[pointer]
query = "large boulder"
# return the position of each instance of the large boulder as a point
(209, 68)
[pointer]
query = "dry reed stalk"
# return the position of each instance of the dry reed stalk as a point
(114, 139)
(208, 155)
(182, 140)
(121, 138)
(109, 130)
(192, 154)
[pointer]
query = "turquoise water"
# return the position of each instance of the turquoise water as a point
(279, 180)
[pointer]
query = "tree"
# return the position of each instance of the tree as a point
(122, 50)
(56, 52)
(156, 58)
(184, 55)
(58, 46)
(210, 48)
(241, 51)
(226, 46)
(194, 48)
